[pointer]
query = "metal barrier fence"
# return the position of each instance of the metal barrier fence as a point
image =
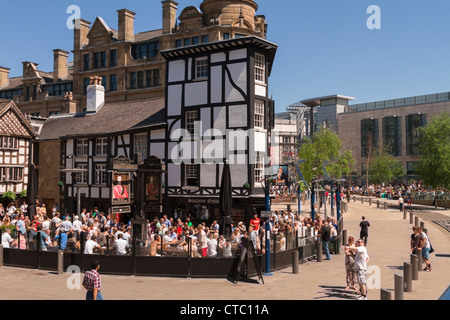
(174, 260)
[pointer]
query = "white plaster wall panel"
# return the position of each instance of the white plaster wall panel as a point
(158, 134)
(213, 151)
(218, 57)
(239, 75)
(21, 159)
(21, 143)
(84, 190)
(205, 118)
(69, 147)
(239, 175)
(208, 175)
(260, 141)
(238, 116)
(95, 193)
(260, 90)
(157, 150)
(2, 188)
(189, 74)
(238, 54)
(14, 161)
(106, 193)
(175, 131)
(176, 70)
(174, 175)
(196, 93)
(173, 151)
(237, 140)
(126, 139)
(216, 87)
(231, 94)
(174, 100)
(220, 115)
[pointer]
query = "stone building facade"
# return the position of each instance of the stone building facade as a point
(129, 63)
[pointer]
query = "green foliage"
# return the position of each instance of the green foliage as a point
(246, 185)
(23, 194)
(434, 147)
(325, 145)
(9, 196)
(385, 168)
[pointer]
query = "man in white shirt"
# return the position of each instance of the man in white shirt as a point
(212, 245)
(76, 226)
(202, 241)
(91, 245)
(46, 224)
(7, 241)
(361, 262)
(66, 225)
(121, 245)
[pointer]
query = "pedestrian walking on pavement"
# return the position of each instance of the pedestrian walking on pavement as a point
(364, 234)
(92, 283)
(361, 263)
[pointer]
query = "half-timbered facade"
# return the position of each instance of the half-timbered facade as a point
(218, 110)
(16, 136)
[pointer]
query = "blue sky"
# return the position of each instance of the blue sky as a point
(325, 46)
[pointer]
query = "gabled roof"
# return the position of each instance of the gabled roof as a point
(112, 118)
(13, 122)
(100, 26)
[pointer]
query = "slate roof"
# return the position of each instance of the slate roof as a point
(110, 119)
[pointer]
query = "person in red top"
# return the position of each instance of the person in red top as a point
(255, 222)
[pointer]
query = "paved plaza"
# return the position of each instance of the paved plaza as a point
(388, 247)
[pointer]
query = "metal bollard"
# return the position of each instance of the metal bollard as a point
(1, 255)
(295, 257)
(407, 276)
(385, 294)
(404, 214)
(398, 287)
(422, 224)
(378, 203)
(344, 238)
(370, 201)
(425, 230)
(362, 200)
(60, 262)
(415, 268)
(417, 223)
(420, 261)
(411, 217)
(385, 206)
(319, 251)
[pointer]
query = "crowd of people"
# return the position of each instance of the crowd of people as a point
(95, 232)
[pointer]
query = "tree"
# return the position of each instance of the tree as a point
(385, 168)
(434, 150)
(325, 145)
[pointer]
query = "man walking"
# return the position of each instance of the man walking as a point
(92, 283)
(324, 233)
(364, 234)
(361, 262)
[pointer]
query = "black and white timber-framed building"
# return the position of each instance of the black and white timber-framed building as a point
(218, 109)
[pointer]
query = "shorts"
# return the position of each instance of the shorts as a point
(362, 276)
(426, 253)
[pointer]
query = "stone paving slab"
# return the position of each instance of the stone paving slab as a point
(388, 248)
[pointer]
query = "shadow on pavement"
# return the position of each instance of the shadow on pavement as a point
(337, 292)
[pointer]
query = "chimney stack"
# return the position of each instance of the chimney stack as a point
(60, 70)
(80, 33)
(4, 77)
(126, 25)
(169, 15)
(95, 95)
